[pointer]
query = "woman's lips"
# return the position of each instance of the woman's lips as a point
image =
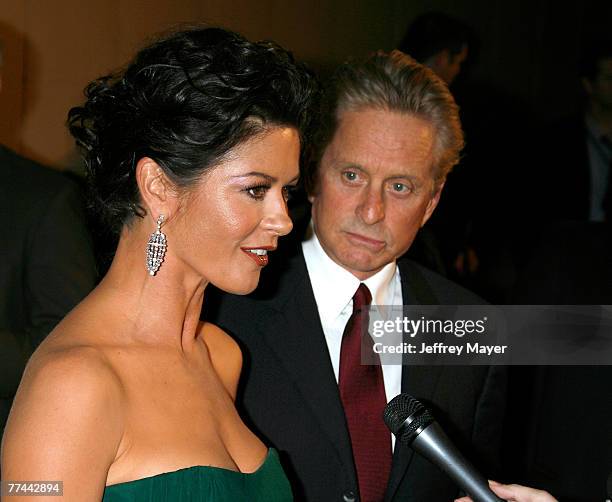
(258, 255)
(367, 242)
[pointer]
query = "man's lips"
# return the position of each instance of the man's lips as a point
(258, 254)
(367, 242)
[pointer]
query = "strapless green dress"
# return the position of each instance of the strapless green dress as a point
(207, 484)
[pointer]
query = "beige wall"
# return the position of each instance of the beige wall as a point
(54, 48)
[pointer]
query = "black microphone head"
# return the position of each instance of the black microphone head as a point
(406, 417)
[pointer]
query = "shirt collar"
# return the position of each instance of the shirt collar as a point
(335, 286)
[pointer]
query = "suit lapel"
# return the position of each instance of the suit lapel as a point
(294, 333)
(418, 381)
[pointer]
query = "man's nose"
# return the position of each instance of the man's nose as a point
(372, 207)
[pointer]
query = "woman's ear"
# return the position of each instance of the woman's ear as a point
(156, 191)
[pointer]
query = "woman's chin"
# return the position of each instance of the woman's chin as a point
(239, 289)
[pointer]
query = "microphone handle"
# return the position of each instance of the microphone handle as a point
(434, 444)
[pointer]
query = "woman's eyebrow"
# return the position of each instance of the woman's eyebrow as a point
(267, 177)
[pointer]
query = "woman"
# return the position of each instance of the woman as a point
(191, 152)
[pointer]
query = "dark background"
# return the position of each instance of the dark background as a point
(528, 48)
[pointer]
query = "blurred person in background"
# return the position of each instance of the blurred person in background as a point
(46, 259)
(440, 42)
(574, 153)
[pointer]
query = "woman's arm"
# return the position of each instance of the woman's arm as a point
(65, 425)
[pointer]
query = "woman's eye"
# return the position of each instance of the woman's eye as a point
(257, 192)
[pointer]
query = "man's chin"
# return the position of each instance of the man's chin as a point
(362, 269)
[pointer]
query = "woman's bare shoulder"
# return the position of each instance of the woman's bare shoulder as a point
(225, 355)
(66, 420)
(70, 364)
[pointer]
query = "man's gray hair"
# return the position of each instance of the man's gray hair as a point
(395, 82)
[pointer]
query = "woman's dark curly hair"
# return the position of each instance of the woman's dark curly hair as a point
(185, 101)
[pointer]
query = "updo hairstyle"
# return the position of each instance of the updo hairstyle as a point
(185, 101)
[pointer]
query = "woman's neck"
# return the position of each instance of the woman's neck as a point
(160, 309)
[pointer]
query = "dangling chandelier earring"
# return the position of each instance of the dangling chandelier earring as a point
(156, 248)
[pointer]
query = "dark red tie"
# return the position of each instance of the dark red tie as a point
(362, 391)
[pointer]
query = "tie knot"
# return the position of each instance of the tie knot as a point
(361, 298)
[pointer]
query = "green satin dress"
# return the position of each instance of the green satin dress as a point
(207, 484)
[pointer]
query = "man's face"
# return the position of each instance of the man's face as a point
(375, 188)
(454, 65)
(446, 65)
(600, 88)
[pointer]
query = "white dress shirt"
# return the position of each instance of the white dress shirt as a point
(334, 287)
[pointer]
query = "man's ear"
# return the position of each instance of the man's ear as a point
(433, 202)
(312, 189)
(156, 191)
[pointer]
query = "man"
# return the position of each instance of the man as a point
(571, 265)
(46, 261)
(576, 152)
(389, 134)
(440, 42)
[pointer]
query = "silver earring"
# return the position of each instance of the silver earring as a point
(156, 248)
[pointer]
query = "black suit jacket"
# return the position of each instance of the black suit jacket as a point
(46, 261)
(290, 396)
(562, 177)
(569, 407)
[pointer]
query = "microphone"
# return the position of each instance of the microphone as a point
(413, 425)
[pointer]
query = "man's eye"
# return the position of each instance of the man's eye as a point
(350, 175)
(257, 192)
(401, 188)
